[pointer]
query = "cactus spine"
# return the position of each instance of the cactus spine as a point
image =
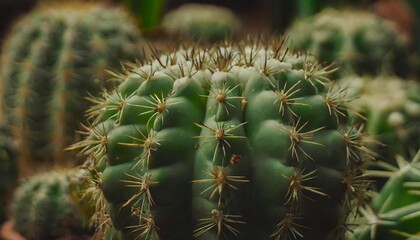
(53, 58)
(237, 141)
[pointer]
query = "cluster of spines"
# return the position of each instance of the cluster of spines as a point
(224, 102)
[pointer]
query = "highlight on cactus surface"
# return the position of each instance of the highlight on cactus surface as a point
(245, 140)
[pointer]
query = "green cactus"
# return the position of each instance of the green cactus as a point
(49, 205)
(243, 141)
(394, 213)
(53, 59)
(358, 41)
(201, 21)
(389, 107)
(8, 172)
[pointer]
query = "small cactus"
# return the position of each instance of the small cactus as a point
(238, 141)
(201, 21)
(358, 41)
(49, 205)
(53, 58)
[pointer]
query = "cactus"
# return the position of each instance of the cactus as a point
(201, 21)
(394, 212)
(8, 172)
(52, 60)
(49, 205)
(358, 41)
(239, 141)
(390, 108)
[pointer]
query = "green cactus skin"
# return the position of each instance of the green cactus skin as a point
(8, 172)
(394, 213)
(53, 59)
(357, 41)
(49, 205)
(201, 21)
(243, 141)
(391, 108)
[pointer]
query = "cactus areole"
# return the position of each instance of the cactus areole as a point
(238, 141)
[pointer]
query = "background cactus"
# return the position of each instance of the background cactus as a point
(243, 141)
(395, 212)
(52, 60)
(201, 21)
(8, 172)
(49, 205)
(391, 108)
(358, 41)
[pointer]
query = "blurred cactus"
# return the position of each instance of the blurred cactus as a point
(358, 41)
(8, 172)
(53, 59)
(200, 21)
(49, 205)
(391, 108)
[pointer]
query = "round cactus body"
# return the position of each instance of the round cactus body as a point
(8, 172)
(50, 205)
(394, 213)
(358, 41)
(243, 141)
(389, 107)
(201, 21)
(53, 59)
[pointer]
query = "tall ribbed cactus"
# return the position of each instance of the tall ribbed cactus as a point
(49, 205)
(8, 172)
(52, 60)
(358, 41)
(243, 141)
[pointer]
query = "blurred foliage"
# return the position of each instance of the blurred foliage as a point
(148, 12)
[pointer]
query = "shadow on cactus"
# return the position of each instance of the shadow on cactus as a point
(237, 141)
(53, 58)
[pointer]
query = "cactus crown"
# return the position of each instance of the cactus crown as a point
(237, 141)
